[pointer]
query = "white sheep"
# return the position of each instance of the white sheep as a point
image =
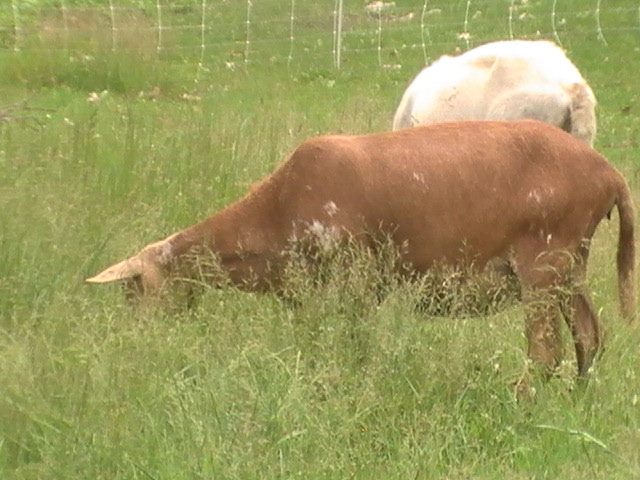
(506, 80)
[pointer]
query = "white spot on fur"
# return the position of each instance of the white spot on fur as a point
(548, 239)
(162, 251)
(331, 208)
(326, 236)
(165, 253)
(418, 177)
(534, 195)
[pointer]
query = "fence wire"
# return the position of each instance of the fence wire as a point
(335, 33)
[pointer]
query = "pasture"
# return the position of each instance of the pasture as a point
(120, 143)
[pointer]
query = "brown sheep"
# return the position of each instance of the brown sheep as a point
(524, 192)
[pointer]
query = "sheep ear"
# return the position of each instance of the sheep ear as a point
(129, 268)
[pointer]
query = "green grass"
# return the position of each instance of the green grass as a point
(244, 385)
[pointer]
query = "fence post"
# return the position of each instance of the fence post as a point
(202, 31)
(247, 41)
(290, 57)
(113, 25)
(553, 23)
(422, 27)
(159, 11)
(17, 30)
(511, 19)
(337, 33)
(598, 26)
(335, 29)
(380, 38)
(466, 34)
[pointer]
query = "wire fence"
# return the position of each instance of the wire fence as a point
(309, 37)
(290, 31)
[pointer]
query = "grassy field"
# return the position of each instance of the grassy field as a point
(119, 145)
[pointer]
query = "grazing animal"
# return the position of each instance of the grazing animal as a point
(507, 80)
(446, 193)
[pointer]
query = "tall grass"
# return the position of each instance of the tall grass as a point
(341, 382)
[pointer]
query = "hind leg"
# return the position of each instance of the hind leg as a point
(542, 328)
(582, 319)
(585, 328)
(543, 276)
